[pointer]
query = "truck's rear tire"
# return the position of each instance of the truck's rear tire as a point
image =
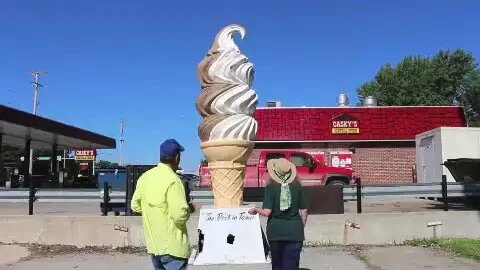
(337, 182)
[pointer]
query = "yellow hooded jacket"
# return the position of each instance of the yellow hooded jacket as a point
(160, 198)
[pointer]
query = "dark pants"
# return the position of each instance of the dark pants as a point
(285, 254)
(167, 262)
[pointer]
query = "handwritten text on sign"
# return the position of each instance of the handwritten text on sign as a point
(224, 216)
(229, 235)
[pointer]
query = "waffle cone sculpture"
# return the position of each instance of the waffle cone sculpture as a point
(226, 162)
(227, 104)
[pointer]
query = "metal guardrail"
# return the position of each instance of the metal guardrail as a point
(60, 196)
(201, 196)
(434, 190)
(455, 190)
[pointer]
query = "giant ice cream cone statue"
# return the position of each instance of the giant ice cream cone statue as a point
(227, 103)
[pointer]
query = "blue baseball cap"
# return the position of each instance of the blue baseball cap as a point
(170, 148)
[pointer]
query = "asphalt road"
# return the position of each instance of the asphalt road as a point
(91, 208)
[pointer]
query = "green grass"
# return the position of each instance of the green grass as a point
(468, 248)
(364, 258)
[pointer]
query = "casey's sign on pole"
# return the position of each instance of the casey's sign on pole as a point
(85, 154)
(345, 124)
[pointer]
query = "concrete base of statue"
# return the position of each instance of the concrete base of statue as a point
(230, 236)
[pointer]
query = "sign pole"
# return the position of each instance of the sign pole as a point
(1, 157)
(64, 157)
(93, 166)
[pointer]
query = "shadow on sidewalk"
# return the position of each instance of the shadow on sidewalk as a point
(457, 204)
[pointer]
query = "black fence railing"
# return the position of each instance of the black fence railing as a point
(324, 199)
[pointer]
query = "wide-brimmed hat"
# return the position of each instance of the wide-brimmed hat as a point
(281, 170)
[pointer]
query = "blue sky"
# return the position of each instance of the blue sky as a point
(137, 60)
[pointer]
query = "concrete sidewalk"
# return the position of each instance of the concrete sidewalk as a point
(11, 254)
(333, 258)
(315, 258)
(405, 257)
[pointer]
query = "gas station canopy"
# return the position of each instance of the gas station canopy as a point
(17, 126)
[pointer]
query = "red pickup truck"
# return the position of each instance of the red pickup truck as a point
(311, 170)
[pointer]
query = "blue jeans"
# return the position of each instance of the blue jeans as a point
(167, 262)
(285, 254)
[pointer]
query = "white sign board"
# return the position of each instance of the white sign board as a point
(230, 236)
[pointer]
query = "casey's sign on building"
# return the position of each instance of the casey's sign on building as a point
(345, 124)
(85, 154)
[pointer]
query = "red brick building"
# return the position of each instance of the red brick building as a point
(381, 140)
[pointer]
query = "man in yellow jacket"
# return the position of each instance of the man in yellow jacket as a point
(160, 198)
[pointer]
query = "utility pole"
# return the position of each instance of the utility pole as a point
(122, 140)
(36, 90)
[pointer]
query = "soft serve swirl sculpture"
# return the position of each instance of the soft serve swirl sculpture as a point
(227, 103)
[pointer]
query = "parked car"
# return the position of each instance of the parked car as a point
(311, 170)
(192, 179)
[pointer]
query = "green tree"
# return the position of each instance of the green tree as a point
(448, 78)
(105, 164)
(72, 169)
